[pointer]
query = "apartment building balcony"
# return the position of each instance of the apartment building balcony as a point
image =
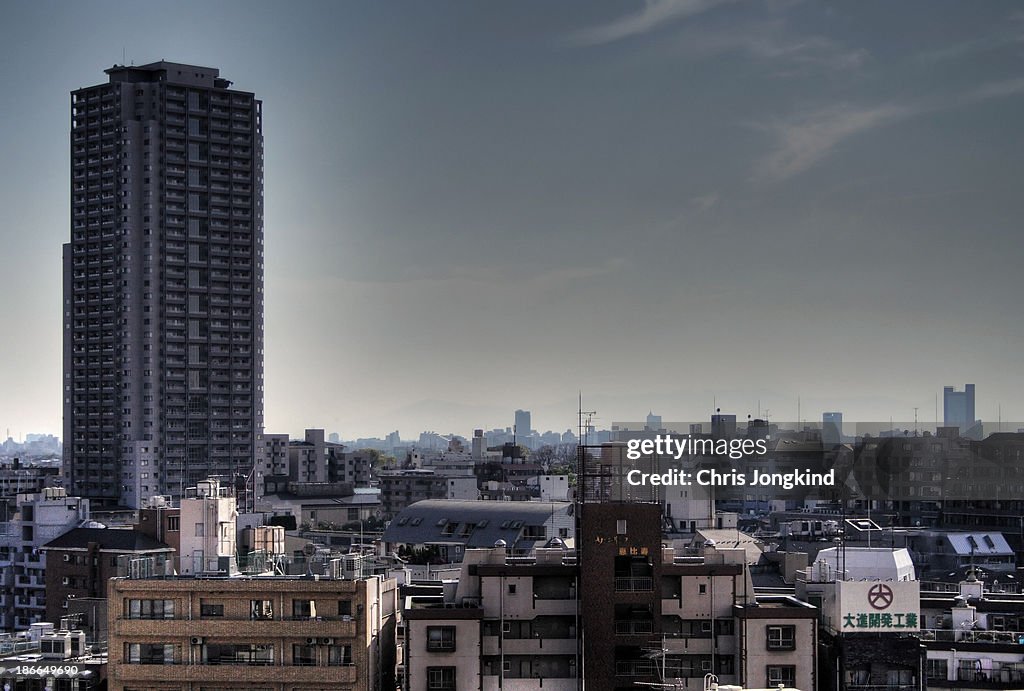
(634, 627)
(491, 683)
(998, 677)
(310, 674)
(635, 668)
(529, 646)
(934, 638)
(634, 584)
(677, 644)
(228, 628)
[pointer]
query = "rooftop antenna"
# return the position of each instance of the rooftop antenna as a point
(584, 427)
(915, 421)
(123, 51)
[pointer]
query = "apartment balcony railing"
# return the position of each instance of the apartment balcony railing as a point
(957, 636)
(634, 668)
(634, 584)
(631, 628)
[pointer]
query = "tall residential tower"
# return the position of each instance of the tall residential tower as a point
(163, 284)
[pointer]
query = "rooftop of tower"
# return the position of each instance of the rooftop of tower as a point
(171, 72)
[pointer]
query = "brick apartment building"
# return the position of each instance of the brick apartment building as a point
(280, 633)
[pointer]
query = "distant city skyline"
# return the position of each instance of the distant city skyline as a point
(667, 206)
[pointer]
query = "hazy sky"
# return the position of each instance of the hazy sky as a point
(477, 207)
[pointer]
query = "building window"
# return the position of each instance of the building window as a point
(858, 676)
(173, 524)
(150, 609)
(896, 678)
(781, 637)
(620, 526)
(344, 608)
(261, 609)
(211, 609)
(441, 678)
(937, 669)
(303, 609)
(440, 638)
(781, 674)
(339, 655)
(149, 653)
(238, 654)
(304, 655)
(511, 588)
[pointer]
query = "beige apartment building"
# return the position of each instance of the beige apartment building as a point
(513, 624)
(273, 633)
(506, 624)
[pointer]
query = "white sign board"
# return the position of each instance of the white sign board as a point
(878, 606)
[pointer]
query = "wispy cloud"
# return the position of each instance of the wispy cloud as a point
(655, 13)
(705, 201)
(804, 142)
(1007, 87)
(774, 43)
(1010, 37)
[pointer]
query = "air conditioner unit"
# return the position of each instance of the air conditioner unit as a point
(326, 641)
(196, 640)
(65, 581)
(310, 641)
(67, 557)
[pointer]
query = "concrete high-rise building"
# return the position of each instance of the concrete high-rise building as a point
(523, 424)
(958, 407)
(163, 284)
(40, 518)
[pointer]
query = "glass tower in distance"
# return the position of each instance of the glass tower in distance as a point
(163, 284)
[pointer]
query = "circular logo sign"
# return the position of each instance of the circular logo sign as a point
(880, 596)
